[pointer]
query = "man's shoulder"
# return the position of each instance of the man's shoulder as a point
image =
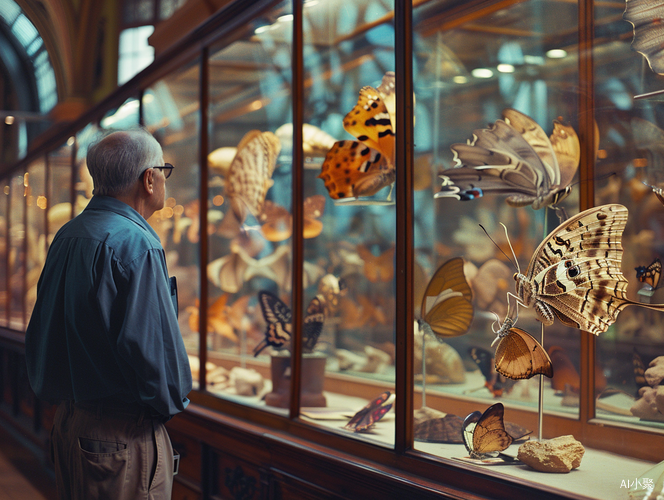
(125, 237)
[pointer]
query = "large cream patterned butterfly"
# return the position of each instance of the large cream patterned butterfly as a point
(575, 273)
(250, 173)
(646, 18)
(514, 156)
(363, 168)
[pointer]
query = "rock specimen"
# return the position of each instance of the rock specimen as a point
(561, 454)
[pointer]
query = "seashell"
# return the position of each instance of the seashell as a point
(220, 159)
(315, 142)
(441, 360)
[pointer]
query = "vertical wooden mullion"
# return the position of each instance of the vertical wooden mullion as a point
(297, 97)
(141, 109)
(404, 232)
(586, 186)
(203, 214)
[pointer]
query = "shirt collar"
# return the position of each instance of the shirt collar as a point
(119, 207)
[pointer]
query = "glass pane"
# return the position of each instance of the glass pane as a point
(249, 179)
(4, 245)
(350, 222)
(172, 115)
(84, 186)
(479, 85)
(628, 161)
(17, 253)
(125, 116)
(36, 207)
(59, 187)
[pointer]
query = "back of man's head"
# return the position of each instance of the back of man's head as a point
(118, 159)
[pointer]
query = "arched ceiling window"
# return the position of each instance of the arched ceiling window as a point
(138, 20)
(29, 46)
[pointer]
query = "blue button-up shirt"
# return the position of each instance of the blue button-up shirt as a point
(105, 323)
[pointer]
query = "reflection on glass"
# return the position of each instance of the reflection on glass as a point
(122, 117)
(84, 186)
(521, 57)
(628, 162)
(349, 223)
(249, 209)
(59, 188)
(172, 115)
(17, 253)
(35, 191)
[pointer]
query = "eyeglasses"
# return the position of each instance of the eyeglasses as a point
(166, 169)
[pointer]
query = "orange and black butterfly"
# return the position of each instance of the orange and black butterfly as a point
(447, 306)
(278, 317)
(650, 275)
(366, 418)
(484, 434)
(519, 355)
(494, 381)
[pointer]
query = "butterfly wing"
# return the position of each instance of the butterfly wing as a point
(650, 275)
(377, 268)
(566, 146)
(278, 317)
(353, 169)
(494, 382)
(447, 302)
(371, 413)
(371, 123)
(576, 272)
(250, 172)
(535, 136)
(467, 429)
(649, 140)
(313, 322)
(520, 356)
(489, 434)
(484, 361)
(386, 90)
(645, 16)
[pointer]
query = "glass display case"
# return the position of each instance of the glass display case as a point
(329, 261)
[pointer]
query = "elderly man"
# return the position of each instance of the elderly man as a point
(103, 339)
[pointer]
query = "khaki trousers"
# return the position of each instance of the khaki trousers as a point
(112, 455)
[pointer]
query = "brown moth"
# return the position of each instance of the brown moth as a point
(575, 274)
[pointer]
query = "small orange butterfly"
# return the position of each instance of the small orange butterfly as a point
(377, 268)
(363, 168)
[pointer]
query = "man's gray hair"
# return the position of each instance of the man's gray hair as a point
(116, 160)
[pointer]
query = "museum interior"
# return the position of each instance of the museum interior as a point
(416, 241)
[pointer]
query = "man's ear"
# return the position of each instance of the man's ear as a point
(148, 180)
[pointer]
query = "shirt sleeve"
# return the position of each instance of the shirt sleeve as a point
(149, 337)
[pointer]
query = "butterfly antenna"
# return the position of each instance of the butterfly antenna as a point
(516, 266)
